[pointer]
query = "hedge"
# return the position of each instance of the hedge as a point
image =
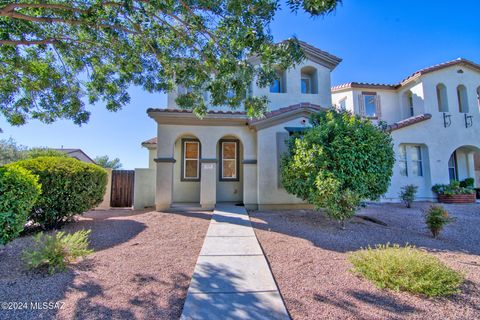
(19, 190)
(69, 187)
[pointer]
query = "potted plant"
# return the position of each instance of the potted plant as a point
(455, 193)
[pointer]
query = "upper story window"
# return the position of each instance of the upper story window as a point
(442, 98)
(410, 103)
(342, 104)
(308, 80)
(478, 98)
(462, 99)
(279, 85)
(190, 160)
(370, 105)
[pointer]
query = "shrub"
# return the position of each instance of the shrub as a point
(19, 190)
(406, 269)
(69, 187)
(467, 183)
(453, 188)
(44, 152)
(436, 218)
(340, 161)
(56, 251)
(408, 194)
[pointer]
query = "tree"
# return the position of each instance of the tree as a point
(44, 152)
(105, 162)
(55, 53)
(10, 151)
(340, 161)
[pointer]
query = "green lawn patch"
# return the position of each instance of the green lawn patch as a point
(406, 269)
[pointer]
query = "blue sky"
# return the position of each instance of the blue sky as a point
(379, 41)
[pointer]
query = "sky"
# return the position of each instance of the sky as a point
(379, 41)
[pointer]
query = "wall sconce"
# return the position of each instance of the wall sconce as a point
(447, 120)
(468, 121)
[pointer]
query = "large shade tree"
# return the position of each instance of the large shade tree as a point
(57, 55)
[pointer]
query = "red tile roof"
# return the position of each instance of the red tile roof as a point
(459, 61)
(190, 111)
(408, 122)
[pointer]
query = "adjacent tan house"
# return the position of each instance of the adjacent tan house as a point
(77, 154)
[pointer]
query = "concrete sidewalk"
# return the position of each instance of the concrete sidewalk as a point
(232, 279)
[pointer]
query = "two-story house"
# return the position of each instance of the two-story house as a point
(226, 156)
(434, 119)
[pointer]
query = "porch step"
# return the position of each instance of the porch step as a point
(232, 279)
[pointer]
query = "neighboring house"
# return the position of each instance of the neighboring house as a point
(228, 157)
(434, 119)
(77, 154)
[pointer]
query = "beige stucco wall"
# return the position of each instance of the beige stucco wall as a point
(105, 205)
(144, 188)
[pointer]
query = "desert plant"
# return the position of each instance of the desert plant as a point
(406, 269)
(408, 194)
(69, 187)
(19, 189)
(436, 217)
(56, 251)
(452, 188)
(340, 161)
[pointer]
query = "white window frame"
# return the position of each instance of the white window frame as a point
(375, 104)
(403, 159)
(235, 159)
(185, 142)
(419, 162)
(342, 104)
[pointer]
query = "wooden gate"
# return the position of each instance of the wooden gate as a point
(122, 188)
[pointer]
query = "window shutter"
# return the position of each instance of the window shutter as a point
(282, 147)
(361, 105)
(378, 110)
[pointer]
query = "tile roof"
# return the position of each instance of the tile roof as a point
(190, 111)
(149, 141)
(459, 61)
(408, 122)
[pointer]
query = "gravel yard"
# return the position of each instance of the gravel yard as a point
(141, 268)
(307, 254)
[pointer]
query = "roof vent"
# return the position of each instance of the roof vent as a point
(459, 71)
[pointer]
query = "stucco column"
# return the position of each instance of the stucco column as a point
(164, 190)
(208, 186)
(471, 164)
(250, 183)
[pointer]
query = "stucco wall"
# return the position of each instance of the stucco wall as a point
(105, 205)
(144, 188)
(269, 190)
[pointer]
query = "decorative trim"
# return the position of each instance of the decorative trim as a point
(208, 160)
(220, 167)
(164, 160)
(249, 161)
(183, 158)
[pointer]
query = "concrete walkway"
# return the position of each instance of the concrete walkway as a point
(232, 279)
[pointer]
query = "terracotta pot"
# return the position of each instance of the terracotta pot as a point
(457, 198)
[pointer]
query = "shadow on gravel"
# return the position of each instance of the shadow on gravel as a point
(404, 226)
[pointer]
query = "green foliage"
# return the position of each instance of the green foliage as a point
(105, 162)
(452, 188)
(44, 152)
(69, 187)
(10, 151)
(56, 52)
(436, 218)
(467, 183)
(56, 251)
(19, 189)
(408, 194)
(406, 269)
(338, 162)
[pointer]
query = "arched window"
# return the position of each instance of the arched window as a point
(279, 85)
(478, 98)
(308, 81)
(442, 98)
(409, 103)
(462, 99)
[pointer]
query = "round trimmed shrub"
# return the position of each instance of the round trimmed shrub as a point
(69, 187)
(19, 189)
